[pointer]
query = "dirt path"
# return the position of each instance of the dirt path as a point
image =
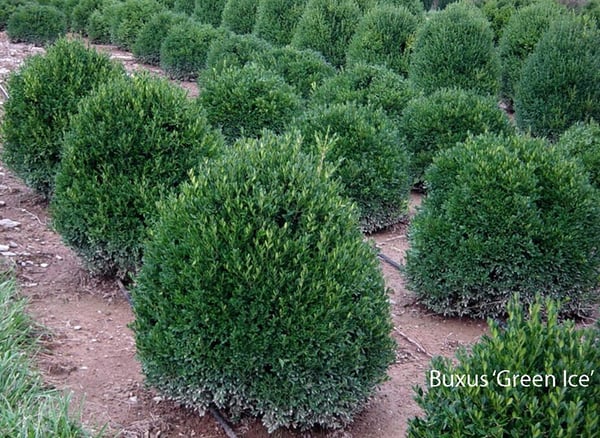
(91, 351)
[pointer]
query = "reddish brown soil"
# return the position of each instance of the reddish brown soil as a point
(91, 351)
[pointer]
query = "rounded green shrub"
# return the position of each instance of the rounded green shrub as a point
(231, 50)
(505, 215)
(133, 141)
(276, 20)
(440, 120)
(305, 70)
(81, 14)
(128, 18)
(549, 359)
(184, 6)
(582, 141)
(98, 25)
(499, 12)
(239, 16)
(560, 81)
(7, 7)
(183, 53)
(455, 48)
(327, 27)
(243, 101)
(372, 164)
(367, 85)
(152, 34)
(36, 24)
(44, 94)
(259, 295)
(414, 6)
(384, 36)
(209, 11)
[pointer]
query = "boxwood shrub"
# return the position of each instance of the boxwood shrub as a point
(132, 142)
(416, 7)
(128, 18)
(243, 101)
(538, 350)
(499, 12)
(209, 11)
(98, 25)
(505, 215)
(7, 7)
(81, 14)
(239, 16)
(560, 81)
(384, 36)
(259, 295)
(44, 94)
(152, 34)
(36, 24)
(276, 20)
(440, 120)
(372, 164)
(327, 26)
(455, 48)
(367, 85)
(582, 141)
(232, 50)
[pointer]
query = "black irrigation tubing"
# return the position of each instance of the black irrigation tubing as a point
(389, 260)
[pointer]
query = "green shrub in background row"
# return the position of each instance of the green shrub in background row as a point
(44, 94)
(81, 14)
(414, 6)
(152, 34)
(259, 295)
(582, 141)
(98, 25)
(505, 215)
(533, 344)
(7, 7)
(184, 6)
(132, 142)
(209, 11)
(440, 120)
(183, 53)
(239, 16)
(523, 31)
(129, 18)
(455, 48)
(560, 81)
(276, 20)
(371, 163)
(305, 70)
(367, 85)
(327, 26)
(384, 36)
(243, 101)
(36, 24)
(231, 50)
(499, 12)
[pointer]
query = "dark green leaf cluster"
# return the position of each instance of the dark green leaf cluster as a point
(259, 295)
(560, 81)
(127, 18)
(243, 101)
(372, 164)
(505, 215)
(152, 34)
(232, 50)
(7, 7)
(440, 120)
(98, 25)
(239, 16)
(276, 20)
(44, 94)
(36, 24)
(209, 11)
(455, 48)
(499, 12)
(327, 27)
(542, 381)
(582, 141)
(81, 14)
(414, 6)
(132, 142)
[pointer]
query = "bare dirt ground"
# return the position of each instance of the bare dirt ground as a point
(90, 350)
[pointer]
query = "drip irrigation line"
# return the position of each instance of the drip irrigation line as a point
(389, 260)
(4, 91)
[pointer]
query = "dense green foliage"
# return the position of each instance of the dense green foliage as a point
(327, 26)
(541, 354)
(239, 16)
(384, 36)
(440, 120)
(416, 7)
(183, 53)
(276, 20)
(243, 101)
(44, 94)
(505, 215)
(98, 25)
(522, 33)
(128, 18)
(81, 14)
(132, 142)
(372, 165)
(499, 12)
(560, 81)
(582, 141)
(152, 34)
(367, 85)
(7, 7)
(231, 50)
(209, 11)
(259, 295)
(455, 48)
(36, 24)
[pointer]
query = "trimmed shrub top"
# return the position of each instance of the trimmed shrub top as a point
(258, 293)
(582, 141)
(505, 215)
(514, 380)
(36, 24)
(239, 16)
(231, 50)
(81, 14)
(209, 11)
(276, 20)
(152, 34)
(128, 18)
(132, 142)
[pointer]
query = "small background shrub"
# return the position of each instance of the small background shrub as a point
(276, 20)
(239, 16)
(243, 101)
(231, 50)
(505, 215)
(533, 343)
(455, 48)
(81, 14)
(582, 141)
(499, 12)
(44, 94)
(152, 34)
(184, 6)
(128, 19)
(259, 295)
(98, 25)
(209, 11)
(132, 142)
(372, 165)
(7, 7)
(414, 6)
(36, 24)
